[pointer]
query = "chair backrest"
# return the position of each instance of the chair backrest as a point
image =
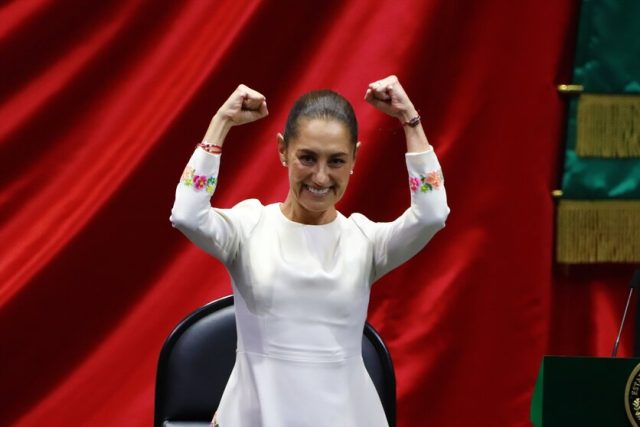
(198, 356)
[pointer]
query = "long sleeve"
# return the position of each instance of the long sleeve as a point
(218, 232)
(396, 242)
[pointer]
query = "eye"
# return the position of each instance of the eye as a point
(306, 159)
(336, 162)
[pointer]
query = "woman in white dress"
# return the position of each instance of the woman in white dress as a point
(301, 271)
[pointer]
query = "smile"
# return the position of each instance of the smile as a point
(318, 191)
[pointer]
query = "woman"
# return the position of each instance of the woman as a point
(301, 271)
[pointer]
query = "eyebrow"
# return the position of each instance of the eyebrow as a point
(307, 151)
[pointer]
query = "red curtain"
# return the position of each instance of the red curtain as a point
(101, 104)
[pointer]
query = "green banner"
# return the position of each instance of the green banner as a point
(599, 212)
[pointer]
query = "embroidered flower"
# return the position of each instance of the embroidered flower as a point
(414, 183)
(187, 176)
(198, 182)
(211, 184)
(431, 181)
(434, 179)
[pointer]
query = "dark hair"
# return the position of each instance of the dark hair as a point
(321, 104)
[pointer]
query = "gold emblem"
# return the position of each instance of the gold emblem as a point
(632, 397)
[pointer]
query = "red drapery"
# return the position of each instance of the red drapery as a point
(101, 104)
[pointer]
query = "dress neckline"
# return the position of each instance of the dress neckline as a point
(278, 209)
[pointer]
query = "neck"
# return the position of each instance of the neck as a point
(296, 213)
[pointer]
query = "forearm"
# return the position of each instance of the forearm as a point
(414, 135)
(197, 184)
(416, 139)
(426, 186)
(398, 241)
(210, 229)
(218, 129)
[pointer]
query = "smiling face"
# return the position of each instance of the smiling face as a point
(319, 160)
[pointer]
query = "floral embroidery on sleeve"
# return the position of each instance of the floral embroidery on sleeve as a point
(426, 182)
(198, 182)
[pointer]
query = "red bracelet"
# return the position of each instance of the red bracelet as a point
(210, 148)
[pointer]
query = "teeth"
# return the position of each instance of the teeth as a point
(319, 192)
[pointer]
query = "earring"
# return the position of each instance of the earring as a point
(284, 163)
(351, 172)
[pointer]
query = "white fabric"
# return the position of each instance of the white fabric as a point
(301, 296)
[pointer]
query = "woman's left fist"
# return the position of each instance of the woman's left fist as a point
(388, 96)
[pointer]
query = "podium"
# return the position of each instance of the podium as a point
(586, 392)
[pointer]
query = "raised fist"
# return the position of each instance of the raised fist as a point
(245, 105)
(388, 96)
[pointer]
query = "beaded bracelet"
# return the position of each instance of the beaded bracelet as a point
(210, 148)
(413, 122)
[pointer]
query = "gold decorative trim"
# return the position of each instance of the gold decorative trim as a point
(598, 231)
(570, 89)
(608, 126)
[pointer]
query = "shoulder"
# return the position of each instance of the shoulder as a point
(363, 224)
(249, 210)
(249, 205)
(244, 215)
(359, 218)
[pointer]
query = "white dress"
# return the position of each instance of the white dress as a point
(301, 296)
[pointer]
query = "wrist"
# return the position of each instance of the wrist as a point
(408, 114)
(221, 121)
(209, 147)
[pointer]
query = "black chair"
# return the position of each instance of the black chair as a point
(197, 357)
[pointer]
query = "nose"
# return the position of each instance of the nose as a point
(321, 175)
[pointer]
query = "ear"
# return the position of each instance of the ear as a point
(355, 151)
(282, 148)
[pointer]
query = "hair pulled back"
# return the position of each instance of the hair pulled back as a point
(321, 104)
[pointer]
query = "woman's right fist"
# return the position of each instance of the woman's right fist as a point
(245, 105)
